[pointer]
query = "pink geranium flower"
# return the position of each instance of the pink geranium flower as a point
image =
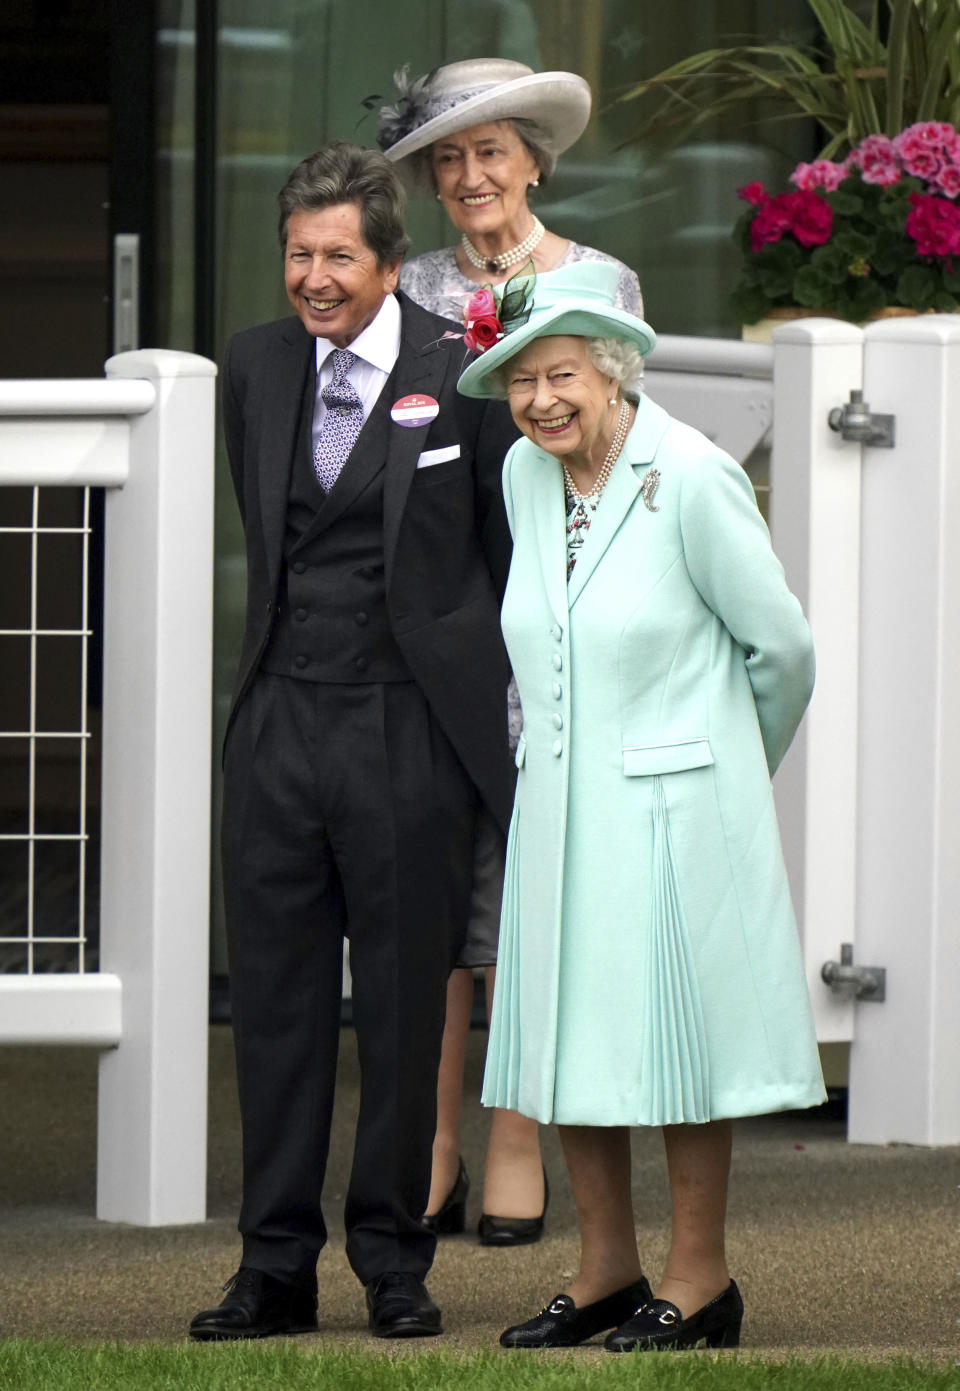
(876, 158)
(808, 216)
(812, 218)
(934, 224)
(822, 173)
(754, 193)
(772, 220)
(948, 180)
(923, 164)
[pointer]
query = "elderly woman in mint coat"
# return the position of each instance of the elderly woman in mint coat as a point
(650, 971)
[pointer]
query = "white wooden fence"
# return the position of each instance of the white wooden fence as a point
(869, 797)
(146, 435)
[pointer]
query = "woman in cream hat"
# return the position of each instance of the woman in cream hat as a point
(650, 971)
(481, 134)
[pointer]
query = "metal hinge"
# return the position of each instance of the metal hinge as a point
(855, 982)
(855, 422)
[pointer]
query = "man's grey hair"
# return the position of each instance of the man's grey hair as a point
(345, 173)
(614, 357)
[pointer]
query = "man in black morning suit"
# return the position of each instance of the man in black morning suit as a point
(368, 731)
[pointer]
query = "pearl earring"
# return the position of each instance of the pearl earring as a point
(612, 401)
(535, 183)
(437, 196)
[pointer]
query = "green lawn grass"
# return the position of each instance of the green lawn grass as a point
(34, 1365)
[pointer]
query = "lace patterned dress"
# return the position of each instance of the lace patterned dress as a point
(435, 281)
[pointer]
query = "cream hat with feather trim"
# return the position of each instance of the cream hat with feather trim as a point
(460, 95)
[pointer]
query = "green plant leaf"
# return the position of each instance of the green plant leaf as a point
(945, 38)
(917, 287)
(813, 289)
(748, 304)
(900, 11)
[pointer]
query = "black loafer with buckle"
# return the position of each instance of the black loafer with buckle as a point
(562, 1325)
(660, 1324)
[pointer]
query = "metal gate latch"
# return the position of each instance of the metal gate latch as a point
(855, 422)
(855, 982)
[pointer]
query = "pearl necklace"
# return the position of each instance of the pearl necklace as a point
(506, 258)
(613, 454)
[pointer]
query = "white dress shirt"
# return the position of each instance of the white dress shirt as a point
(377, 349)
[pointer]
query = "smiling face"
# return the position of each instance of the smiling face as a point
(482, 175)
(332, 277)
(561, 401)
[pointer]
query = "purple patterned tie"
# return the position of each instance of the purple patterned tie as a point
(342, 422)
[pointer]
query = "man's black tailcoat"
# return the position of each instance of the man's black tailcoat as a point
(350, 797)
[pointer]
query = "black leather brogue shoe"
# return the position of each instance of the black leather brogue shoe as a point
(562, 1325)
(400, 1307)
(257, 1305)
(660, 1324)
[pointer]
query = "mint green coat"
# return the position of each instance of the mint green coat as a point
(649, 968)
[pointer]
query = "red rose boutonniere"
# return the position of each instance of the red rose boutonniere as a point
(482, 321)
(488, 317)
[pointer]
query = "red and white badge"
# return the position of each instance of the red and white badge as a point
(411, 411)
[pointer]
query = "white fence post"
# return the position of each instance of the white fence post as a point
(815, 523)
(905, 1059)
(156, 799)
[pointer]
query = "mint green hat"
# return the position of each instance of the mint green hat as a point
(578, 301)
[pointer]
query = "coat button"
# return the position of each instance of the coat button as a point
(557, 690)
(557, 662)
(361, 620)
(300, 661)
(556, 632)
(557, 747)
(300, 615)
(361, 664)
(558, 721)
(298, 567)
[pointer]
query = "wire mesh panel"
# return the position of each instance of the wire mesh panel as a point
(48, 768)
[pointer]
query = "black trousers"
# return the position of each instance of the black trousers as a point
(346, 812)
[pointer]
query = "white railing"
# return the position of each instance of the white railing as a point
(869, 795)
(718, 385)
(146, 435)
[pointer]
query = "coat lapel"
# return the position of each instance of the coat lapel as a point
(620, 494)
(284, 386)
(548, 509)
(615, 502)
(421, 368)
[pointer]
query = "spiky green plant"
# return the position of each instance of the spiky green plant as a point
(852, 85)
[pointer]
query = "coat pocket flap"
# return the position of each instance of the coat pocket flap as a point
(641, 762)
(521, 753)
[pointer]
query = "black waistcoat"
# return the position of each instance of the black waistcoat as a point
(332, 623)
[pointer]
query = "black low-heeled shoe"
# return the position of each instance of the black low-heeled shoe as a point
(660, 1324)
(513, 1231)
(562, 1325)
(451, 1217)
